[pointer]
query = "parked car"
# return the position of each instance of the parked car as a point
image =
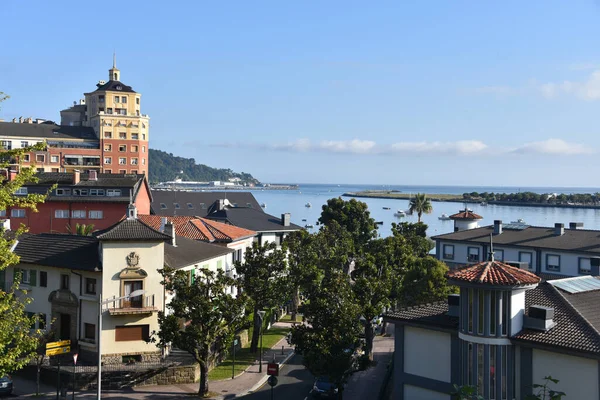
(6, 385)
(323, 388)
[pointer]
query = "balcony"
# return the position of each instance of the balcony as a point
(85, 161)
(141, 305)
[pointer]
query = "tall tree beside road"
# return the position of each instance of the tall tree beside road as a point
(421, 205)
(329, 339)
(201, 317)
(264, 278)
(17, 343)
(353, 216)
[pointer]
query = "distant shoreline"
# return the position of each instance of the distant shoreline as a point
(454, 198)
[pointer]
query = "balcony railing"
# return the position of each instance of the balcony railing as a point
(136, 305)
(84, 162)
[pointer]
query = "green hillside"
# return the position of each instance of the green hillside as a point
(166, 167)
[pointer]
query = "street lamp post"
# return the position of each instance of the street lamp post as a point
(261, 315)
(101, 302)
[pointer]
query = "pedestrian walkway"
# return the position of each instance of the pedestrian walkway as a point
(244, 383)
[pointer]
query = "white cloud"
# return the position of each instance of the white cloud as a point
(352, 146)
(553, 146)
(458, 147)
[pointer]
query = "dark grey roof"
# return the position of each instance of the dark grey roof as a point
(579, 240)
(59, 250)
(65, 179)
(250, 218)
(115, 86)
(47, 131)
(200, 201)
(433, 314)
(131, 229)
(188, 251)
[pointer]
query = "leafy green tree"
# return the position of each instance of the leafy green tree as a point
(415, 234)
(329, 339)
(201, 318)
(353, 216)
(424, 282)
(544, 392)
(264, 278)
(421, 205)
(81, 229)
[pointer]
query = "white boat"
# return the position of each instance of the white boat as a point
(519, 221)
(308, 205)
(444, 217)
(400, 213)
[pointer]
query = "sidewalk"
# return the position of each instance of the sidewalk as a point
(244, 383)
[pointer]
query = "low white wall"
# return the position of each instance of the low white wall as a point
(427, 353)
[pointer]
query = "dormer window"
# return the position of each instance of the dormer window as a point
(163, 206)
(190, 206)
(118, 87)
(176, 205)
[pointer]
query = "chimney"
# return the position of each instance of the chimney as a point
(221, 204)
(170, 230)
(540, 318)
(29, 120)
(285, 219)
(131, 211)
(575, 225)
(497, 227)
(76, 177)
(595, 266)
(559, 229)
(20, 120)
(163, 222)
(453, 305)
(93, 175)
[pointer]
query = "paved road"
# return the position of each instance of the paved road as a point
(294, 383)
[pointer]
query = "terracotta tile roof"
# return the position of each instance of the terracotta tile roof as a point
(493, 273)
(466, 214)
(223, 231)
(183, 227)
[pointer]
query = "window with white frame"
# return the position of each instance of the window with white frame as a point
(54, 159)
(113, 192)
(552, 262)
(17, 213)
(61, 213)
(473, 254)
(448, 251)
(2, 213)
(96, 192)
(122, 161)
(498, 254)
(96, 214)
(26, 158)
(24, 144)
(21, 191)
(78, 214)
(585, 266)
(107, 160)
(63, 192)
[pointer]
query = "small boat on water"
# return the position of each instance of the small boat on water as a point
(308, 205)
(519, 221)
(444, 217)
(386, 208)
(263, 205)
(483, 203)
(400, 213)
(303, 219)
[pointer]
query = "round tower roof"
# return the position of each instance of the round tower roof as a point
(466, 214)
(493, 273)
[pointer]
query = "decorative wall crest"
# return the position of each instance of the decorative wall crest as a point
(133, 259)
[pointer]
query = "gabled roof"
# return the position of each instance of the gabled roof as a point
(60, 251)
(250, 218)
(197, 203)
(131, 229)
(494, 273)
(466, 214)
(579, 240)
(200, 228)
(188, 252)
(47, 131)
(115, 86)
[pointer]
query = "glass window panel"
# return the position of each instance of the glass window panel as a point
(503, 371)
(480, 312)
(470, 310)
(493, 317)
(480, 368)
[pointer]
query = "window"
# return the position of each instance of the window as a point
(552, 262)
(504, 312)
(137, 113)
(78, 214)
(108, 171)
(26, 157)
(176, 205)
(134, 161)
(498, 254)
(122, 171)
(39, 169)
(24, 275)
(124, 99)
(585, 266)
(132, 332)
(134, 148)
(163, 206)
(137, 100)
(449, 252)
(108, 147)
(21, 191)
(100, 109)
(54, 159)
(143, 161)
(473, 254)
(90, 331)
(2, 213)
(17, 213)
(113, 192)
(122, 135)
(54, 170)
(143, 149)
(493, 317)
(122, 111)
(96, 214)
(122, 161)
(5, 144)
(80, 192)
(203, 206)
(24, 143)
(107, 160)
(526, 257)
(134, 171)
(64, 281)
(90, 286)
(96, 192)
(101, 98)
(237, 255)
(122, 148)
(108, 135)
(470, 309)
(109, 110)
(190, 206)
(43, 279)
(143, 136)
(480, 311)
(116, 99)
(134, 136)
(63, 192)
(40, 158)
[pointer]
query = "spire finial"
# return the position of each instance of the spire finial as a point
(114, 59)
(491, 255)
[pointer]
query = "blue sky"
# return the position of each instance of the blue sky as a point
(434, 92)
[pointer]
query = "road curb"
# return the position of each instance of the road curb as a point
(263, 380)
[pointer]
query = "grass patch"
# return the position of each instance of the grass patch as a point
(244, 358)
(288, 318)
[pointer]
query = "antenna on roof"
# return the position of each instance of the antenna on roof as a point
(491, 255)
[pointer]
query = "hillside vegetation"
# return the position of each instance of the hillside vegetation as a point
(166, 167)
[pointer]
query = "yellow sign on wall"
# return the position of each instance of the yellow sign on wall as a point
(62, 343)
(58, 350)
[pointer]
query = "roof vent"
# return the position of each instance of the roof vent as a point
(453, 305)
(497, 227)
(92, 175)
(559, 229)
(540, 318)
(285, 219)
(575, 225)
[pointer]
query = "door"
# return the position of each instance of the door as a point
(65, 326)
(129, 287)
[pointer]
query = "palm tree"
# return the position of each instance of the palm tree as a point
(81, 229)
(420, 204)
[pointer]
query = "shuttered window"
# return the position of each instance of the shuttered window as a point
(132, 332)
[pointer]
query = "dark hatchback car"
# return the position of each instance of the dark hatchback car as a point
(6, 386)
(323, 388)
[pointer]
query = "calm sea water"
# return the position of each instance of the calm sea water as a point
(294, 201)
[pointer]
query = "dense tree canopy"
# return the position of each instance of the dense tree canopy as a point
(353, 216)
